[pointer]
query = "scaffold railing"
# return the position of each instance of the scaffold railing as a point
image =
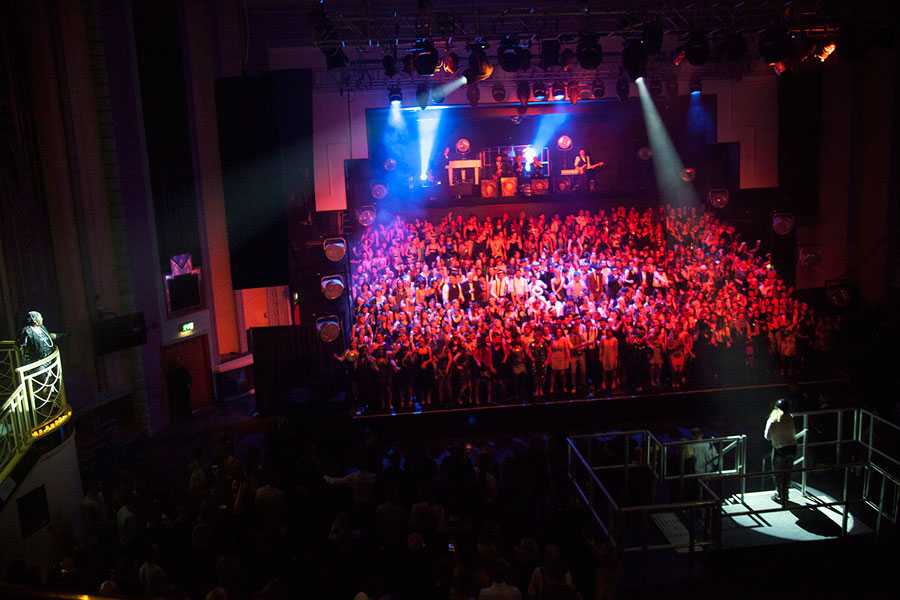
(833, 443)
(34, 403)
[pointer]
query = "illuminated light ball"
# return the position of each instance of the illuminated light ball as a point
(688, 174)
(564, 142)
(463, 145)
(379, 191)
(365, 216)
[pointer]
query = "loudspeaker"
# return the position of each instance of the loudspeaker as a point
(265, 142)
(488, 188)
(462, 190)
(509, 186)
(358, 177)
(184, 292)
(118, 333)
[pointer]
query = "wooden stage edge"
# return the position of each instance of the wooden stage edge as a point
(462, 410)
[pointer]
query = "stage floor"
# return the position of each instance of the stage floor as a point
(806, 519)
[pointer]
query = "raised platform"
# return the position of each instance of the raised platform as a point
(807, 519)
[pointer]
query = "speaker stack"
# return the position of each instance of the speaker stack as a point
(320, 281)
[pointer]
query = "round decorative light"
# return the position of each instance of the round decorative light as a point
(564, 142)
(329, 328)
(783, 223)
(335, 249)
(379, 191)
(332, 287)
(463, 145)
(718, 198)
(365, 215)
(688, 174)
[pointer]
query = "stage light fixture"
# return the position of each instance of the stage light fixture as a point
(824, 50)
(589, 51)
(365, 215)
(523, 92)
(473, 94)
(688, 174)
(539, 90)
(645, 153)
(335, 249)
(334, 58)
(697, 48)
(422, 95)
(734, 47)
(389, 62)
(328, 328)
(451, 63)
(409, 66)
(634, 58)
(599, 88)
(774, 45)
(512, 56)
(579, 91)
(437, 95)
(463, 145)
(567, 58)
(564, 142)
(652, 35)
(498, 92)
(389, 164)
(395, 94)
(696, 86)
(678, 56)
(559, 91)
(332, 286)
(426, 58)
(480, 68)
(549, 54)
(622, 88)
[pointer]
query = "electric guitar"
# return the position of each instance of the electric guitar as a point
(582, 169)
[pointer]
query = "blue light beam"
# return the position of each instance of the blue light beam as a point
(428, 122)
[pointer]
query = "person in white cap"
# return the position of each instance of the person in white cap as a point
(780, 432)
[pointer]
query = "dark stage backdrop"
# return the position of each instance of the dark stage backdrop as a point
(265, 141)
(612, 131)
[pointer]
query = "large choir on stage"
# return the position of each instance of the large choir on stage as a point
(469, 310)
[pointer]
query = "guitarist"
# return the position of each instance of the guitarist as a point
(583, 165)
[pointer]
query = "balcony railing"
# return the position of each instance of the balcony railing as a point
(34, 403)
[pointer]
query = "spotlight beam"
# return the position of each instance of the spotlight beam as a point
(666, 162)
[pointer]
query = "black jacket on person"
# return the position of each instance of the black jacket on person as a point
(35, 343)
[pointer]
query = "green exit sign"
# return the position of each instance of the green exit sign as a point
(187, 327)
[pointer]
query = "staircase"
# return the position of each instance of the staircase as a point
(33, 403)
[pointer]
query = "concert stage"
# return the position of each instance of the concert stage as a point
(722, 409)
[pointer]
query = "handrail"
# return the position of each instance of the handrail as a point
(35, 407)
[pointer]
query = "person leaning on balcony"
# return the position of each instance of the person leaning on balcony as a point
(35, 342)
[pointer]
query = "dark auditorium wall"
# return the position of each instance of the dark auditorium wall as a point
(163, 96)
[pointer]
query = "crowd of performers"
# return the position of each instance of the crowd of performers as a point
(472, 310)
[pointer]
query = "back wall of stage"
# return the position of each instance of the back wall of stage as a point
(746, 112)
